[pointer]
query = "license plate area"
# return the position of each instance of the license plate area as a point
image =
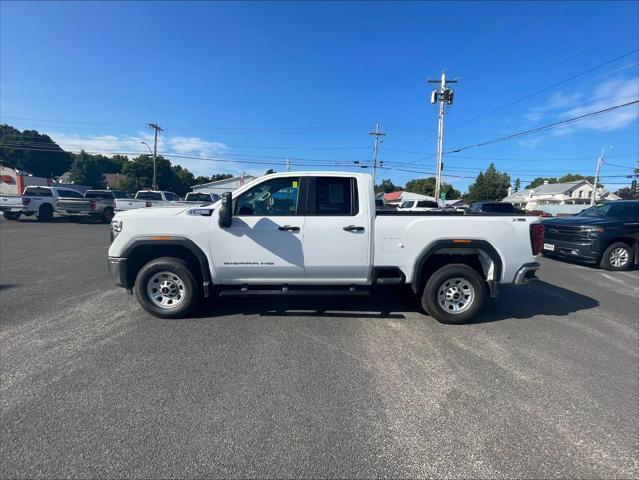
(549, 246)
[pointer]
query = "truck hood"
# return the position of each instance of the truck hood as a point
(151, 212)
(576, 221)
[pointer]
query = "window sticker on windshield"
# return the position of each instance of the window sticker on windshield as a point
(294, 183)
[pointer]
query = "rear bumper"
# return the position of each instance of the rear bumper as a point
(118, 272)
(12, 208)
(526, 273)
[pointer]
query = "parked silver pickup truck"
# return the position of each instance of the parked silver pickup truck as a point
(99, 204)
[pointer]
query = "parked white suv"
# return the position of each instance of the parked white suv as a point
(303, 233)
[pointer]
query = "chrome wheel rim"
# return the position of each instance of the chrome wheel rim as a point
(166, 290)
(619, 257)
(455, 295)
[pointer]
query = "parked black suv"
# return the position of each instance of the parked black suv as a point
(607, 233)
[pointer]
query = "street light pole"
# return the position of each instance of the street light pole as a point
(444, 95)
(151, 152)
(157, 129)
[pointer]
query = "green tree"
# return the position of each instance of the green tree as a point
(174, 178)
(31, 151)
(213, 178)
(569, 177)
(489, 185)
(517, 185)
(426, 186)
(387, 186)
(87, 170)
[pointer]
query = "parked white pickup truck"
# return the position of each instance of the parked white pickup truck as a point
(146, 198)
(302, 233)
(39, 201)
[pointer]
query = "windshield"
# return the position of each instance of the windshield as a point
(149, 195)
(498, 208)
(198, 197)
(98, 194)
(612, 210)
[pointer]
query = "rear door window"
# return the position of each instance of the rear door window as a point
(172, 197)
(426, 204)
(37, 192)
(334, 196)
(69, 194)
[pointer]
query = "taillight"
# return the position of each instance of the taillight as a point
(536, 237)
(26, 201)
(92, 205)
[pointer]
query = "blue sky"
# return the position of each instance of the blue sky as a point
(251, 84)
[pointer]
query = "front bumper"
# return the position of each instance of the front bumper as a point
(589, 251)
(118, 272)
(526, 273)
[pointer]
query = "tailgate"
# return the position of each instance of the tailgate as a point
(74, 206)
(10, 201)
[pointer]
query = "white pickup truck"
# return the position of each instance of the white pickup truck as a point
(146, 198)
(303, 233)
(39, 201)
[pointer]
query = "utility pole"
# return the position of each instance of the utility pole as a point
(594, 187)
(157, 129)
(377, 134)
(288, 164)
(444, 95)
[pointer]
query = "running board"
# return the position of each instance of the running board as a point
(245, 291)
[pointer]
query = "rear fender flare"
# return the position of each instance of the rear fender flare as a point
(481, 247)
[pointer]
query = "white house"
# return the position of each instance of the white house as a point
(570, 193)
(222, 186)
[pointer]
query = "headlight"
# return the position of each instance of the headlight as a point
(116, 228)
(593, 229)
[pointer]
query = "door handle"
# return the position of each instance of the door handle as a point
(354, 228)
(289, 228)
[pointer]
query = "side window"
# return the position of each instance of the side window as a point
(335, 196)
(171, 196)
(275, 197)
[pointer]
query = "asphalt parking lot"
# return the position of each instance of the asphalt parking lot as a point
(545, 384)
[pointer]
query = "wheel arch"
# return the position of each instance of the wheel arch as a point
(445, 251)
(142, 250)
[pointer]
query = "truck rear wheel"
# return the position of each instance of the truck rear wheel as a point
(45, 213)
(11, 215)
(454, 294)
(166, 288)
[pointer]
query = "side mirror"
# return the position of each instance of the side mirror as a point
(226, 210)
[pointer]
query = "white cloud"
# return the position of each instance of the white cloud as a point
(561, 106)
(130, 145)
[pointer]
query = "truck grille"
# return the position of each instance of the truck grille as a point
(566, 234)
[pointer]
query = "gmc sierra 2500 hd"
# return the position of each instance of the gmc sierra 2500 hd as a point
(317, 232)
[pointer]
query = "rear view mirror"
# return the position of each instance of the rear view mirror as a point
(226, 210)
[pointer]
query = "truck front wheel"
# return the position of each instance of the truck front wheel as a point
(454, 294)
(166, 288)
(618, 256)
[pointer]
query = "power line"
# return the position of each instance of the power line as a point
(543, 127)
(545, 89)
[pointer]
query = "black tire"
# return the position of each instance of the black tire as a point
(618, 257)
(107, 215)
(467, 288)
(45, 213)
(174, 267)
(11, 215)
